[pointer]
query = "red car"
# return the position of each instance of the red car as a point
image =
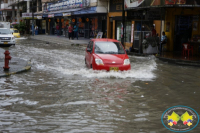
(106, 54)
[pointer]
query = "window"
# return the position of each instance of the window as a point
(109, 48)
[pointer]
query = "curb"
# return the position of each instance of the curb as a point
(137, 54)
(180, 62)
(26, 68)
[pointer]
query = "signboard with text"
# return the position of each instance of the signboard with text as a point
(157, 3)
(28, 16)
(116, 5)
(63, 5)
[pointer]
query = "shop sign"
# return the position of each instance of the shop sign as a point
(132, 31)
(116, 5)
(28, 16)
(135, 15)
(66, 5)
(155, 15)
(50, 15)
(67, 14)
(155, 3)
(39, 17)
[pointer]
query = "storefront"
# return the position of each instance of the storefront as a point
(181, 20)
(182, 26)
(114, 19)
(141, 23)
(91, 21)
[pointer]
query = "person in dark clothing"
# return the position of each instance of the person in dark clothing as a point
(76, 31)
(163, 41)
(70, 30)
(57, 29)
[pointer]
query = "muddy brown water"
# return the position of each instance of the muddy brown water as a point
(59, 94)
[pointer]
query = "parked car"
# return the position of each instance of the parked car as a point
(15, 32)
(6, 38)
(106, 54)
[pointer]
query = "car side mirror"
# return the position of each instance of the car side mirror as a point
(89, 50)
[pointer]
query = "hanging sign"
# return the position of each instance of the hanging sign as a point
(132, 33)
(50, 15)
(39, 17)
(66, 14)
(87, 19)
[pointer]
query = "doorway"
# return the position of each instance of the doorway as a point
(183, 31)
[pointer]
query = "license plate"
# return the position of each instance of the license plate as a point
(5, 42)
(114, 68)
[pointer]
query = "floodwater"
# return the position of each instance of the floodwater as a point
(59, 94)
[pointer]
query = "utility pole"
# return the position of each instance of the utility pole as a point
(32, 20)
(18, 11)
(123, 23)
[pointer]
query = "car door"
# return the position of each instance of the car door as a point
(90, 57)
(87, 54)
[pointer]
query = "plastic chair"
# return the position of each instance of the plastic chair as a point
(187, 49)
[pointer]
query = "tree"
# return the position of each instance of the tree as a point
(21, 27)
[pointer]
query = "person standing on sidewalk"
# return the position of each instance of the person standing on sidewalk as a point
(76, 31)
(57, 29)
(70, 30)
(163, 41)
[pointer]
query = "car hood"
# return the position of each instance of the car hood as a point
(6, 35)
(111, 58)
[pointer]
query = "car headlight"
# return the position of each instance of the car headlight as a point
(126, 62)
(99, 62)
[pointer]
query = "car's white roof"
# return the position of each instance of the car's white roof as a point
(3, 28)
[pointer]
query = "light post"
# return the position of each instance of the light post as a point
(32, 20)
(123, 23)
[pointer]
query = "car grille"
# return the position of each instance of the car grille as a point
(113, 63)
(5, 38)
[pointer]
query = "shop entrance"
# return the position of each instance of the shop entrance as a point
(118, 30)
(183, 31)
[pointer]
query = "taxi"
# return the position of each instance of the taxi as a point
(15, 32)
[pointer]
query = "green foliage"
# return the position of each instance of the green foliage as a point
(21, 27)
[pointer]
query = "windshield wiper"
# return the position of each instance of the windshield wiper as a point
(99, 52)
(111, 52)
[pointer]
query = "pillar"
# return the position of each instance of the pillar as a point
(13, 13)
(113, 34)
(28, 6)
(18, 12)
(37, 6)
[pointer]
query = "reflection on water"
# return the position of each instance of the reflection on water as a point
(59, 94)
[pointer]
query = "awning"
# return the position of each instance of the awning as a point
(91, 10)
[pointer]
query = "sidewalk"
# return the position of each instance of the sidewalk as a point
(16, 65)
(60, 39)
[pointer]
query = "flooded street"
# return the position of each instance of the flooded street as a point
(59, 94)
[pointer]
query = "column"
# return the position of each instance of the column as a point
(18, 12)
(37, 6)
(13, 13)
(28, 6)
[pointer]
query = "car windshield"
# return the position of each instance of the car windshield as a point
(109, 48)
(14, 31)
(5, 31)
